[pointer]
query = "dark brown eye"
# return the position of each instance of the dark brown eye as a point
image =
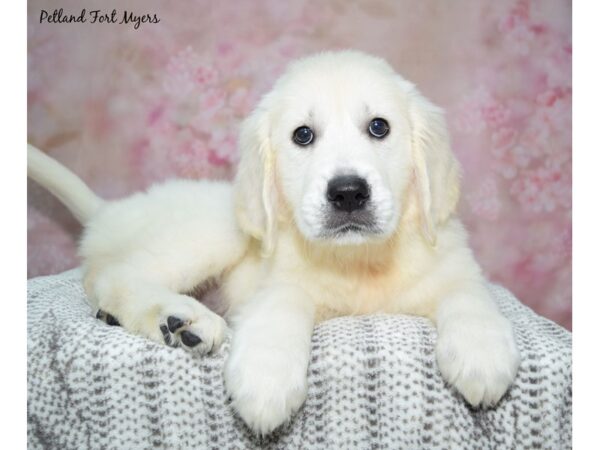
(379, 128)
(303, 135)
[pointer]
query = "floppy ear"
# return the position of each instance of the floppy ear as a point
(436, 170)
(254, 185)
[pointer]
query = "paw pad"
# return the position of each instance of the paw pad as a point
(167, 336)
(107, 318)
(174, 323)
(190, 339)
(173, 333)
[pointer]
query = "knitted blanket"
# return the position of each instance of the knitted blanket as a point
(373, 383)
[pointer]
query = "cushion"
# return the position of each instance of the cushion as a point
(373, 383)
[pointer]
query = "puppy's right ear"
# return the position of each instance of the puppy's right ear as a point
(254, 187)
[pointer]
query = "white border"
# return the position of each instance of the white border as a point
(586, 222)
(13, 117)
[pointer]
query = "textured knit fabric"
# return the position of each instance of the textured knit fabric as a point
(373, 384)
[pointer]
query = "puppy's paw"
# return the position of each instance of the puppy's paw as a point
(200, 332)
(266, 385)
(479, 357)
(176, 320)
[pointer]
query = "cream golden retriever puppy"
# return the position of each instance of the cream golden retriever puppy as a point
(344, 203)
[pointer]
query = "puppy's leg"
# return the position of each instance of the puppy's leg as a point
(266, 373)
(476, 350)
(143, 252)
(145, 307)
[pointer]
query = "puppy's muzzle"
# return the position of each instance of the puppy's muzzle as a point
(348, 193)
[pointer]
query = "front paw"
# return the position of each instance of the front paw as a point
(479, 357)
(266, 385)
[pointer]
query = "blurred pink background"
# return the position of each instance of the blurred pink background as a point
(126, 107)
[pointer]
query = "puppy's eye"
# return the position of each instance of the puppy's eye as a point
(379, 128)
(303, 135)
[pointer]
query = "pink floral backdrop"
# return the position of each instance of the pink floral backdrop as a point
(127, 107)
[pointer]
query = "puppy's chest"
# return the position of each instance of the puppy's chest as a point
(357, 292)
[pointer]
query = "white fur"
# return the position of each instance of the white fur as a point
(268, 241)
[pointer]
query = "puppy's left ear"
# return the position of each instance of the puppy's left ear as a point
(436, 170)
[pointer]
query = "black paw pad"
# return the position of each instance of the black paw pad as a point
(167, 336)
(190, 339)
(174, 323)
(109, 319)
(112, 320)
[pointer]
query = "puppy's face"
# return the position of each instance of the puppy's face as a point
(341, 137)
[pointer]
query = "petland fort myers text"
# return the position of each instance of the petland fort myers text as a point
(98, 16)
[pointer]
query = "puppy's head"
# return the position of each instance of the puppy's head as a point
(339, 140)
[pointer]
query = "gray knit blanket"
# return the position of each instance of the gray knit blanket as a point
(373, 384)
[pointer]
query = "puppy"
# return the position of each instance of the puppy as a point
(344, 203)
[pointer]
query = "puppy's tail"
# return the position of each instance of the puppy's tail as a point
(63, 183)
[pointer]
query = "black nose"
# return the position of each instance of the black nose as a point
(348, 192)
